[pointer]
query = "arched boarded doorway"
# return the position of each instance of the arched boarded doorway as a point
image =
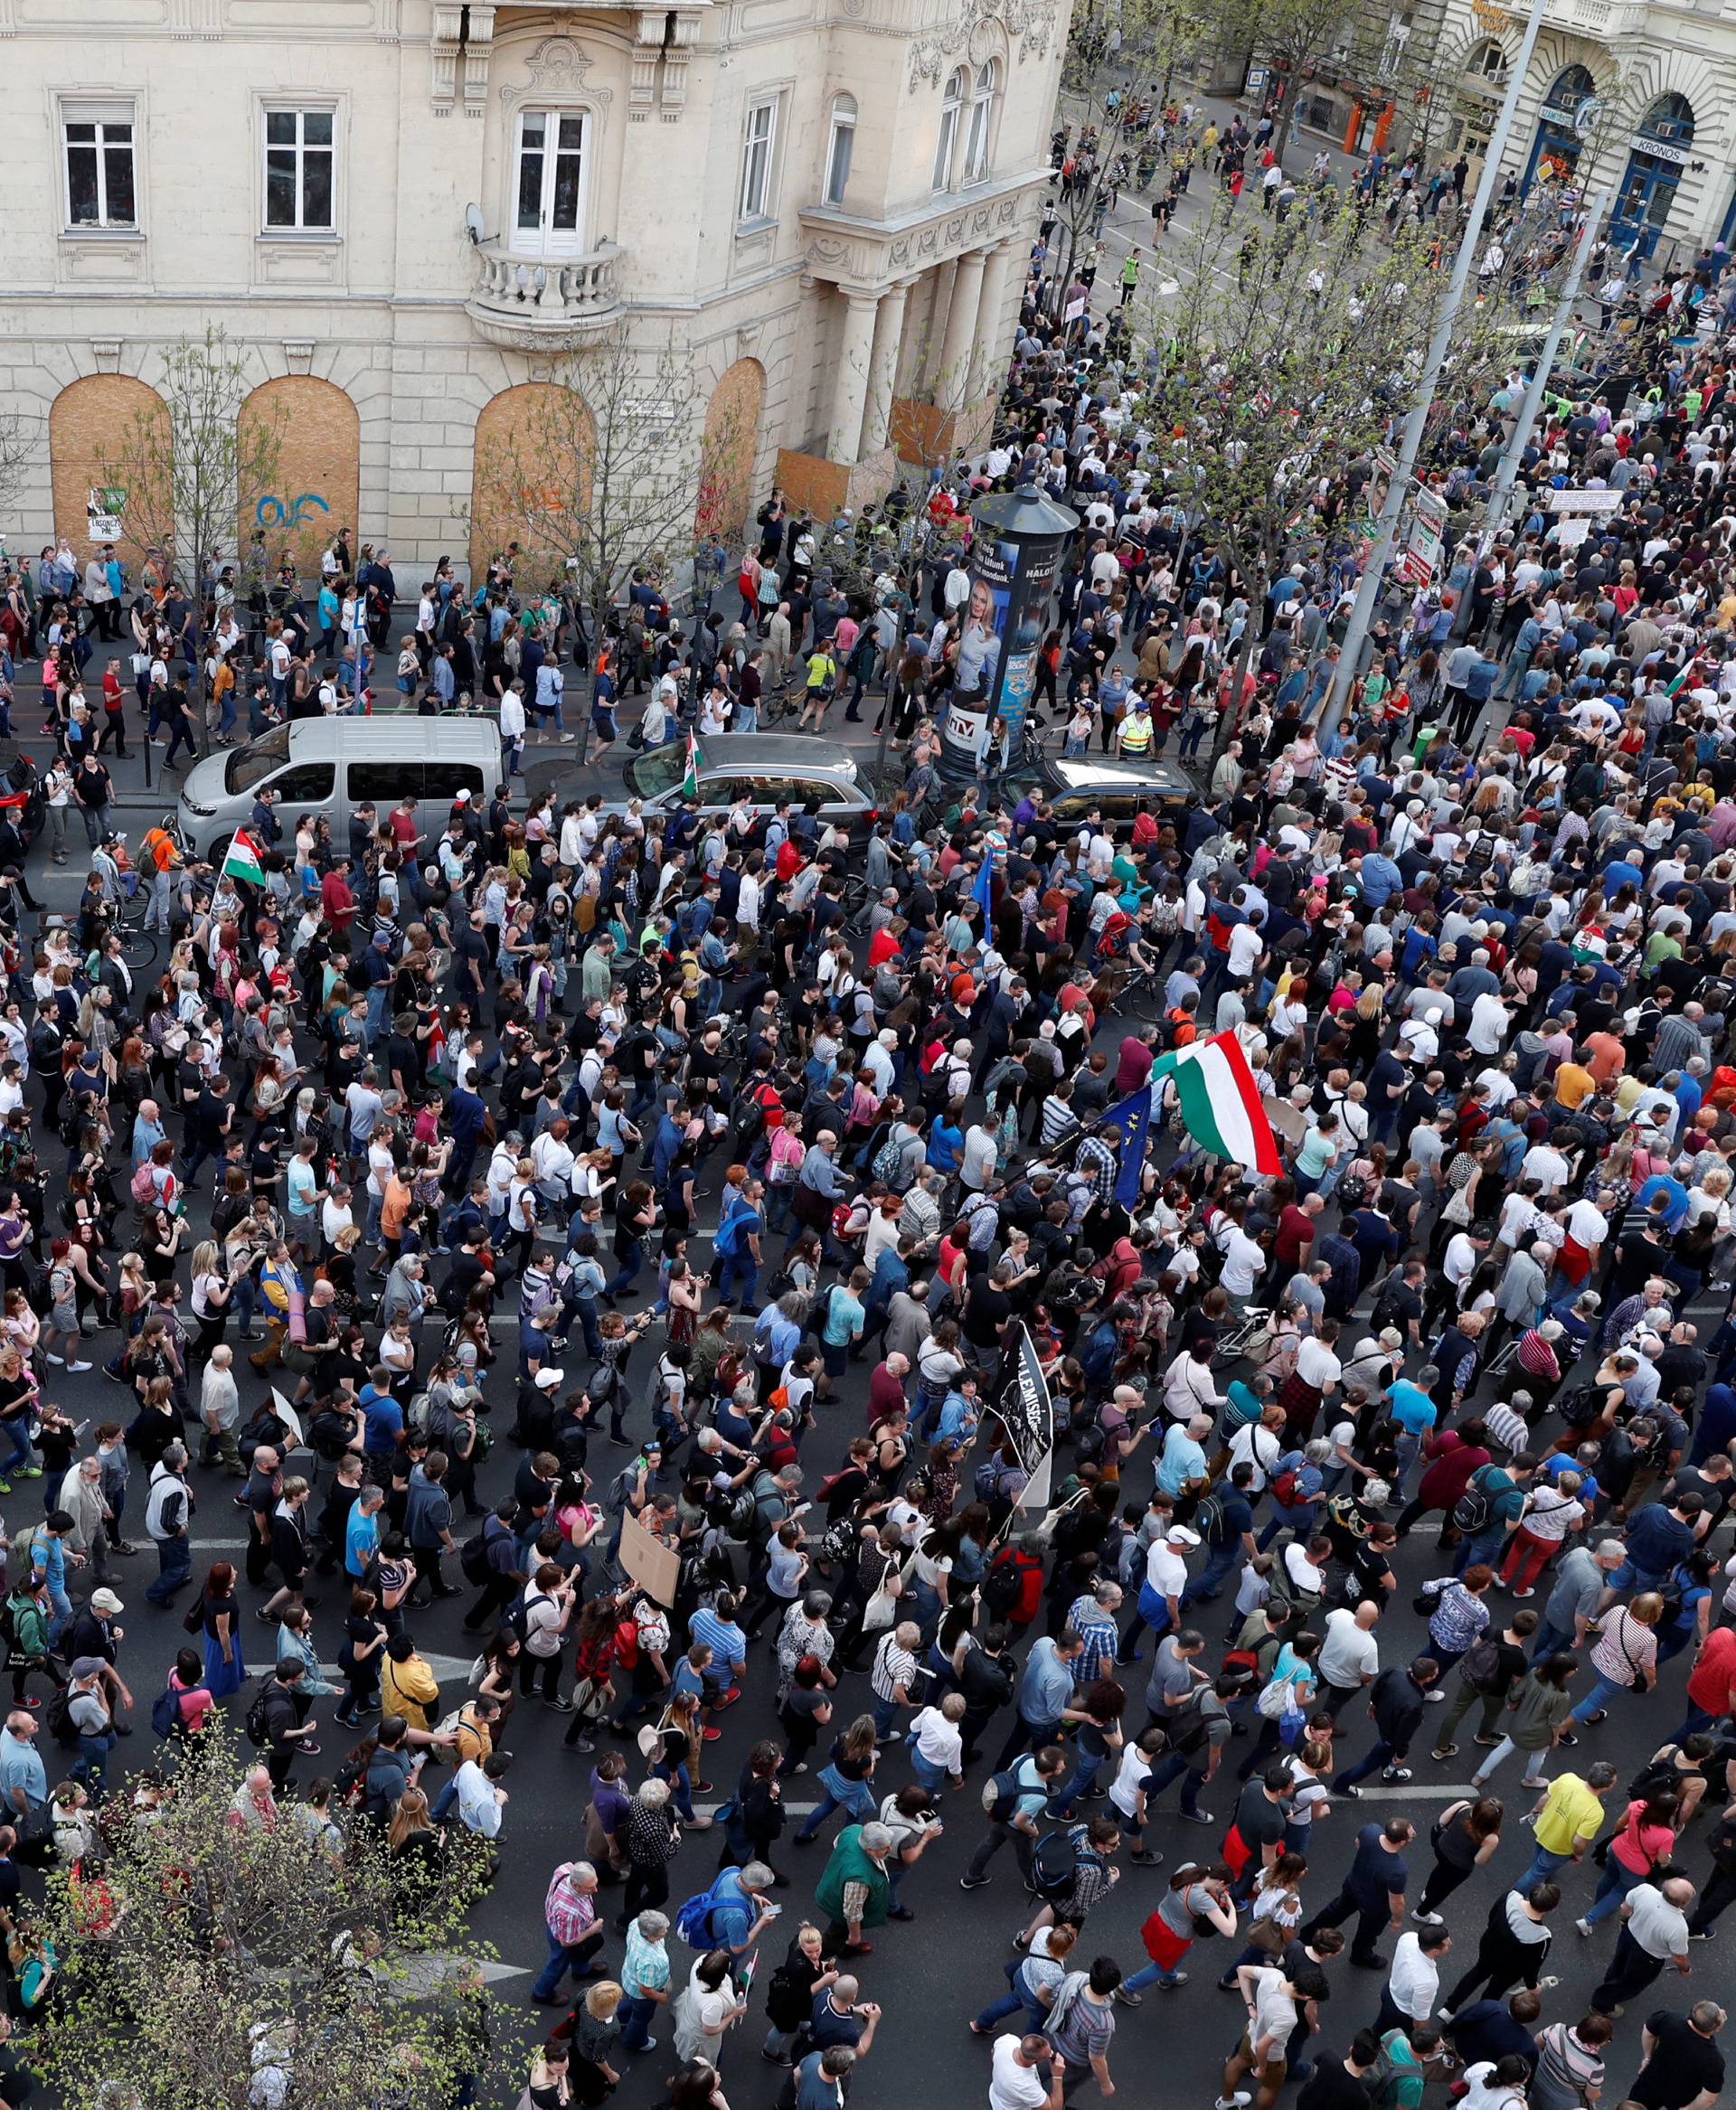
(530, 477)
(727, 453)
(109, 433)
(315, 489)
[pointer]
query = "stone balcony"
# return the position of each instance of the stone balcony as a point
(552, 304)
(1606, 22)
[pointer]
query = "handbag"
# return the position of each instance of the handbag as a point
(881, 1610)
(1268, 1938)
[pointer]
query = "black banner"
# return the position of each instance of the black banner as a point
(1026, 1409)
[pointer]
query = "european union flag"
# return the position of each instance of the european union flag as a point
(1133, 1119)
(982, 888)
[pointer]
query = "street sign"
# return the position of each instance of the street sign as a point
(1256, 80)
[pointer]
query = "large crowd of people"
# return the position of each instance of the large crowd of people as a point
(640, 1228)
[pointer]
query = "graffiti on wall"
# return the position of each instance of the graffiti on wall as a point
(274, 512)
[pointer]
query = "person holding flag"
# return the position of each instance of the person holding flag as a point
(241, 860)
(1218, 1103)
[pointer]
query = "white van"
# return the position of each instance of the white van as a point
(331, 765)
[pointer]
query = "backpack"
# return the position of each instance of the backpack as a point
(143, 1185)
(1286, 1486)
(887, 1160)
(1001, 1792)
(1671, 1590)
(1473, 1509)
(166, 1712)
(1055, 1858)
(156, 852)
(56, 1717)
(742, 1515)
(1002, 1585)
(1207, 1519)
(693, 1921)
(1189, 1732)
(516, 1617)
(257, 1733)
(473, 1557)
(1353, 1191)
(1481, 1664)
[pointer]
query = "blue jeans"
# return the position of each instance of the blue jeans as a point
(932, 1776)
(18, 1435)
(1081, 1782)
(1218, 1564)
(1382, 1754)
(1618, 1881)
(884, 1712)
(1483, 1546)
(634, 2014)
(1543, 1865)
(174, 1566)
(738, 1267)
(1551, 1641)
(1150, 1974)
(1598, 1697)
(94, 1751)
(562, 1959)
(444, 1801)
(1011, 2003)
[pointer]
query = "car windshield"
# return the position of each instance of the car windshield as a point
(650, 776)
(254, 763)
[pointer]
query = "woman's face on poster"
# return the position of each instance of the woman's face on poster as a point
(982, 604)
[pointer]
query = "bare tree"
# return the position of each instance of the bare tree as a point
(613, 472)
(192, 468)
(212, 1962)
(20, 440)
(1288, 353)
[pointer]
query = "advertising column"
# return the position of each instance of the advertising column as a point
(1015, 557)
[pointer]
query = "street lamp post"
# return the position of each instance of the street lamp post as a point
(1532, 405)
(1411, 446)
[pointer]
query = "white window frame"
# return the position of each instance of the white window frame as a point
(840, 144)
(979, 132)
(946, 146)
(757, 199)
(547, 242)
(98, 111)
(300, 112)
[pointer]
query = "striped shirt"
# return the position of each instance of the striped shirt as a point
(724, 1637)
(894, 1665)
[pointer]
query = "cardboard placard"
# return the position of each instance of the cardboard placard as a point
(654, 1566)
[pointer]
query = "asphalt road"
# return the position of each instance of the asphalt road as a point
(932, 1976)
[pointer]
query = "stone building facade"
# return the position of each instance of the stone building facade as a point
(411, 213)
(1640, 90)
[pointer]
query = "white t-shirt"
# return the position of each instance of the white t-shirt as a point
(1013, 2086)
(1347, 1652)
(1166, 1572)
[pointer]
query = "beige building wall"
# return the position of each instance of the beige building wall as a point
(381, 337)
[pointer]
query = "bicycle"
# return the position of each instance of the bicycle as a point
(1247, 1339)
(1142, 996)
(138, 946)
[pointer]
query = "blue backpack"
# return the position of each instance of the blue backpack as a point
(693, 1921)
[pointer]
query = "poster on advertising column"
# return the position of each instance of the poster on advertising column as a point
(1016, 551)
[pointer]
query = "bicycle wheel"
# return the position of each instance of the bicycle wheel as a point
(137, 945)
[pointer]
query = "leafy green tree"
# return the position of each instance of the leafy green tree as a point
(211, 1962)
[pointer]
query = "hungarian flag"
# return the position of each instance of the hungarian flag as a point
(1684, 677)
(1219, 1101)
(241, 861)
(690, 779)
